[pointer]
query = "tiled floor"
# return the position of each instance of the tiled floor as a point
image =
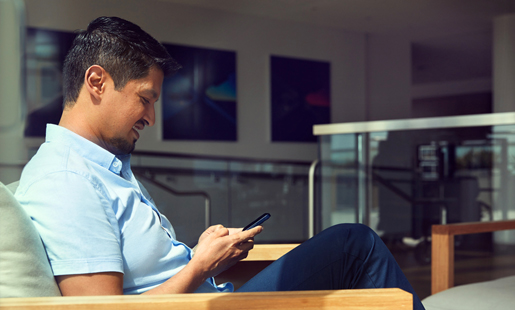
(470, 266)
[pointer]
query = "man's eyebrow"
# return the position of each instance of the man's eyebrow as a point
(150, 92)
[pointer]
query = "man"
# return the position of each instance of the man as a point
(101, 230)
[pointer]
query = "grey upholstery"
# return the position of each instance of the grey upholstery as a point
(491, 295)
(24, 267)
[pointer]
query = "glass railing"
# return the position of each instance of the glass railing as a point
(195, 192)
(401, 176)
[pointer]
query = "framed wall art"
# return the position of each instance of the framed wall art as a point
(300, 98)
(199, 102)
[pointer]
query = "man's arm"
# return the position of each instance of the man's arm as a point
(216, 252)
(104, 283)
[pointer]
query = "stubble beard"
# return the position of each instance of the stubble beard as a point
(122, 146)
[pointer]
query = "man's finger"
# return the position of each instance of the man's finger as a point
(247, 235)
(235, 230)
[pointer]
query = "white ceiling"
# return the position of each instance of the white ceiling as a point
(417, 19)
(451, 38)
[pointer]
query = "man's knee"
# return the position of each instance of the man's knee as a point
(353, 235)
(353, 229)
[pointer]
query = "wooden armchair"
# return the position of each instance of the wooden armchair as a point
(442, 257)
(260, 257)
(25, 271)
(384, 299)
(486, 295)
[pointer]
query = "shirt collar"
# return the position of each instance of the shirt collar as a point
(87, 149)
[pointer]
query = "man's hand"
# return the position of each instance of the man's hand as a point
(219, 248)
(211, 229)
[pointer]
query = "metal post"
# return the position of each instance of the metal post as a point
(208, 212)
(311, 205)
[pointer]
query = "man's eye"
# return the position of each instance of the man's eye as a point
(145, 100)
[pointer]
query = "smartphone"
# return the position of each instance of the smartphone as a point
(260, 220)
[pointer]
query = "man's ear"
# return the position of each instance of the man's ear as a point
(95, 81)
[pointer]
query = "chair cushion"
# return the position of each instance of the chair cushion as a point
(492, 295)
(24, 267)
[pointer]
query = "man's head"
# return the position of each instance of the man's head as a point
(122, 48)
(112, 78)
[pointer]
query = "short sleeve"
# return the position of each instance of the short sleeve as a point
(76, 223)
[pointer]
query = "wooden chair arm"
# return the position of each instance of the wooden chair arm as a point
(373, 299)
(442, 255)
(258, 259)
(269, 252)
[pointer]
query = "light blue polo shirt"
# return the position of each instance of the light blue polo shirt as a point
(94, 216)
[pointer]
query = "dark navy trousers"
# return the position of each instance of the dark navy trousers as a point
(345, 256)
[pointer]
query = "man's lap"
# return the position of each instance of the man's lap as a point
(346, 256)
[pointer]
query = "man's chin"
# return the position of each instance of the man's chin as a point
(121, 146)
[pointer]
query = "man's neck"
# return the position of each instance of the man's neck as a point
(74, 119)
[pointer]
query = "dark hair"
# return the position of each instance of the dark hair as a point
(122, 48)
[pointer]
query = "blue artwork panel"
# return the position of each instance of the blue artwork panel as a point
(199, 101)
(45, 51)
(300, 98)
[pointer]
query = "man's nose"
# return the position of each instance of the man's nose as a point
(150, 116)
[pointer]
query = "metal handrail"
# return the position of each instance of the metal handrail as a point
(311, 197)
(225, 172)
(148, 173)
(223, 158)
